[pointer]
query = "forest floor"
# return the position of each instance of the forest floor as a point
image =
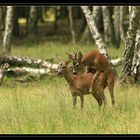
(45, 106)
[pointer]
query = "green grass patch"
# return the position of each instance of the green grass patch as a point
(45, 106)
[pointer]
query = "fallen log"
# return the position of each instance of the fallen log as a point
(117, 61)
(18, 71)
(36, 66)
(26, 61)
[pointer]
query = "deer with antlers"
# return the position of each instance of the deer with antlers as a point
(96, 61)
(79, 84)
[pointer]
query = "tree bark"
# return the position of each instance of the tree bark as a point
(18, 71)
(26, 61)
(39, 63)
(16, 32)
(97, 15)
(94, 31)
(130, 43)
(117, 25)
(1, 26)
(56, 18)
(3, 15)
(122, 31)
(33, 20)
(8, 30)
(109, 36)
(117, 61)
(73, 34)
(136, 59)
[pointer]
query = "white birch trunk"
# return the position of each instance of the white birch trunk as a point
(136, 59)
(73, 34)
(109, 35)
(8, 30)
(130, 43)
(94, 31)
(117, 25)
(33, 19)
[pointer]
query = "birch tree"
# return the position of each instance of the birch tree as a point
(33, 19)
(122, 31)
(117, 25)
(73, 34)
(8, 30)
(97, 15)
(136, 59)
(94, 31)
(109, 36)
(1, 26)
(131, 59)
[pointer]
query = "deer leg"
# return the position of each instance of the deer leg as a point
(82, 100)
(93, 79)
(102, 96)
(74, 98)
(110, 82)
(98, 99)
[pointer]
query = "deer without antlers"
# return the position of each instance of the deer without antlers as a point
(79, 84)
(98, 62)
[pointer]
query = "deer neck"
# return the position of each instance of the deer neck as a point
(68, 76)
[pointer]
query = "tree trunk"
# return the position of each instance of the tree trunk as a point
(94, 31)
(117, 25)
(109, 36)
(73, 34)
(18, 71)
(33, 20)
(56, 18)
(38, 63)
(16, 32)
(40, 14)
(122, 31)
(130, 43)
(1, 26)
(136, 59)
(26, 61)
(97, 15)
(8, 30)
(3, 15)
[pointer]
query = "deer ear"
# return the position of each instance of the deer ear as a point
(80, 55)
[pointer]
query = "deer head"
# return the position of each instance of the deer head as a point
(76, 59)
(62, 66)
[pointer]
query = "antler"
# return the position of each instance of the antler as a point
(75, 54)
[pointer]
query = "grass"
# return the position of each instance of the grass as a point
(45, 106)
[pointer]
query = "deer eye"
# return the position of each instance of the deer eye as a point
(77, 64)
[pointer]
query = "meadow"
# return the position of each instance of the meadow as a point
(45, 106)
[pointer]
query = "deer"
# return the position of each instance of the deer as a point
(80, 83)
(3, 70)
(94, 60)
